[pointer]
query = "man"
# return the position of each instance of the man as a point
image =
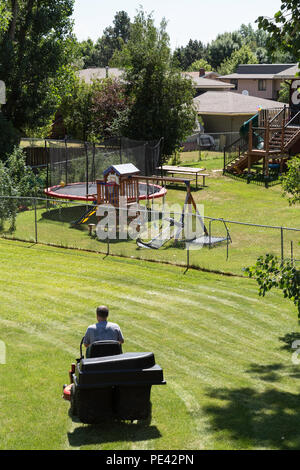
(102, 330)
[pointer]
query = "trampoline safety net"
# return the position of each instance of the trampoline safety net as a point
(79, 162)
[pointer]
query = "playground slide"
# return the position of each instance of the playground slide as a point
(85, 217)
(258, 141)
(244, 130)
(163, 237)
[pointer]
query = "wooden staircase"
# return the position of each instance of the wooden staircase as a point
(273, 141)
(283, 140)
(240, 164)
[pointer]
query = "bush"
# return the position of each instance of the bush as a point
(26, 183)
(8, 205)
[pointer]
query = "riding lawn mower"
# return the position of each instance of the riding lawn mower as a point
(110, 384)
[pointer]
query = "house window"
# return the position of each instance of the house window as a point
(262, 85)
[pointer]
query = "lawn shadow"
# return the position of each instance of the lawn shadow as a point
(67, 214)
(268, 373)
(109, 432)
(289, 339)
(260, 418)
(254, 419)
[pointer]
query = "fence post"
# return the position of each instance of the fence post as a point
(282, 246)
(66, 161)
(86, 170)
(187, 258)
(35, 222)
(107, 250)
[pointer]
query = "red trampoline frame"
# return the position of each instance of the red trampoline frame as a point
(93, 197)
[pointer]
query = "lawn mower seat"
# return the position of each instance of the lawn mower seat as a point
(104, 348)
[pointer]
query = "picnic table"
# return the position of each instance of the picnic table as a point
(185, 170)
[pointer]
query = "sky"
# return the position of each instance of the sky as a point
(187, 19)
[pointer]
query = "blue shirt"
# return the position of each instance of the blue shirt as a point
(103, 331)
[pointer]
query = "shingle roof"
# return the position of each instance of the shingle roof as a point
(88, 75)
(289, 73)
(207, 83)
(269, 69)
(248, 76)
(264, 72)
(98, 73)
(230, 103)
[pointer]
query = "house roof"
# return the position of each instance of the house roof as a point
(248, 76)
(230, 103)
(269, 69)
(289, 73)
(98, 73)
(263, 72)
(124, 169)
(207, 83)
(94, 73)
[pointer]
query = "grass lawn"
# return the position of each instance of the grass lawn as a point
(226, 353)
(205, 159)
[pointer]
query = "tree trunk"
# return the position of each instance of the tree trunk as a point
(12, 26)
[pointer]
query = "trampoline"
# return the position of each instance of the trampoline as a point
(78, 191)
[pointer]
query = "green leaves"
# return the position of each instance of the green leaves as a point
(162, 100)
(291, 181)
(271, 273)
(34, 51)
(284, 28)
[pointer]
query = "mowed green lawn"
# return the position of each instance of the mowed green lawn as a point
(225, 352)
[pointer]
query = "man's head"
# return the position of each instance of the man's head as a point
(102, 312)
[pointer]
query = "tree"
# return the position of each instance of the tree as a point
(113, 39)
(200, 64)
(223, 47)
(271, 273)
(285, 91)
(184, 57)
(88, 54)
(284, 29)
(9, 137)
(5, 16)
(242, 56)
(162, 100)
(8, 201)
(89, 111)
(17, 180)
(291, 181)
(76, 110)
(108, 100)
(35, 47)
(24, 181)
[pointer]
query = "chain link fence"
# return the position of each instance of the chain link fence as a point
(229, 246)
(212, 141)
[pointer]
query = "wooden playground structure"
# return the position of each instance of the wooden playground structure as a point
(270, 137)
(124, 181)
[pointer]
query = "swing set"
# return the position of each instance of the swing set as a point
(205, 239)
